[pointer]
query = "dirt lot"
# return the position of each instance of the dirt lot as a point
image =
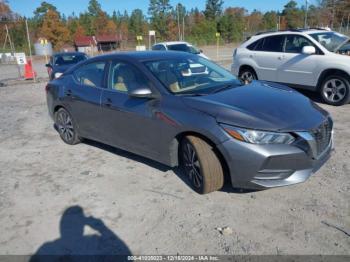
(143, 207)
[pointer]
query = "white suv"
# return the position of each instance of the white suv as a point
(313, 59)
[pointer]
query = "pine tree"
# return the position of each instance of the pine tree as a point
(213, 9)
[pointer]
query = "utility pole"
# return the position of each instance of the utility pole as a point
(347, 26)
(30, 49)
(306, 10)
(341, 24)
(178, 21)
(183, 28)
(12, 47)
(333, 14)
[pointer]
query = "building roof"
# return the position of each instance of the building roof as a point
(84, 40)
(106, 38)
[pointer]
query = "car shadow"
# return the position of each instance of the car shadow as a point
(154, 164)
(73, 245)
(227, 188)
(314, 96)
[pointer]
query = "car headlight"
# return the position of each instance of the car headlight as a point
(258, 137)
(58, 74)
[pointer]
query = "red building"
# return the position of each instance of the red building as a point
(90, 44)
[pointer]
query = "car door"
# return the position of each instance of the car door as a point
(298, 68)
(84, 94)
(130, 122)
(268, 57)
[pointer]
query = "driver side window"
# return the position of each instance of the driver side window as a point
(124, 77)
(295, 43)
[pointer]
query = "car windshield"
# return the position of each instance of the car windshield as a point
(69, 59)
(330, 40)
(193, 75)
(183, 48)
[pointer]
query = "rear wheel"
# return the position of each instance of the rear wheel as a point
(66, 127)
(202, 165)
(247, 75)
(335, 90)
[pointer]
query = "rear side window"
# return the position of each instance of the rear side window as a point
(254, 45)
(271, 44)
(178, 47)
(158, 47)
(91, 74)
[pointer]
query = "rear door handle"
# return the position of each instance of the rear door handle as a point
(281, 57)
(108, 102)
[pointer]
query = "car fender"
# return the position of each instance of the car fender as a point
(246, 61)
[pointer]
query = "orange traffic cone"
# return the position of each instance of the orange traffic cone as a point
(29, 72)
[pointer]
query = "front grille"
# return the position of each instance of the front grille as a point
(323, 136)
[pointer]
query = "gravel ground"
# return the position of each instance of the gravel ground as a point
(134, 205)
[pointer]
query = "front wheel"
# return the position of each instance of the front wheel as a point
(247, 75)
(202, 165)
(66, 127)
(335, 90)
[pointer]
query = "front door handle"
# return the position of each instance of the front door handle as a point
(68, 93)
(281, 57)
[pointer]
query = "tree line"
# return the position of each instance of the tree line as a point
(169, 22)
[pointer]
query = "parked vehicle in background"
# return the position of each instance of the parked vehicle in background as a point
(261, 135)
(178, 46)
(60, 62)
(312, 59)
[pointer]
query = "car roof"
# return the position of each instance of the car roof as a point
(144, 55)
(292, 31)
(173, 43)
(68, 53)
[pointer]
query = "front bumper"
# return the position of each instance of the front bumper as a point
(266, 166)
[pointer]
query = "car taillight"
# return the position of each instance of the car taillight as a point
(47, 88)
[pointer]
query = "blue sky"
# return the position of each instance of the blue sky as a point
(26, 7)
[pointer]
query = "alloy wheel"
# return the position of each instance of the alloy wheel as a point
(65, 126)
(247, 76)
(334, 90)
(192, 165)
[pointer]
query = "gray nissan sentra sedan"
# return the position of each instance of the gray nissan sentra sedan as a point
(183, 110)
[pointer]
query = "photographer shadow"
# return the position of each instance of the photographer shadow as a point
(73, 245)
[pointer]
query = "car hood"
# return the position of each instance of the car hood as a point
(261, 105)
(341, 59)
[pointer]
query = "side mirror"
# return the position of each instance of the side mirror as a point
(309, 50)
(200, 51)
(48, 65)
(142, 92)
